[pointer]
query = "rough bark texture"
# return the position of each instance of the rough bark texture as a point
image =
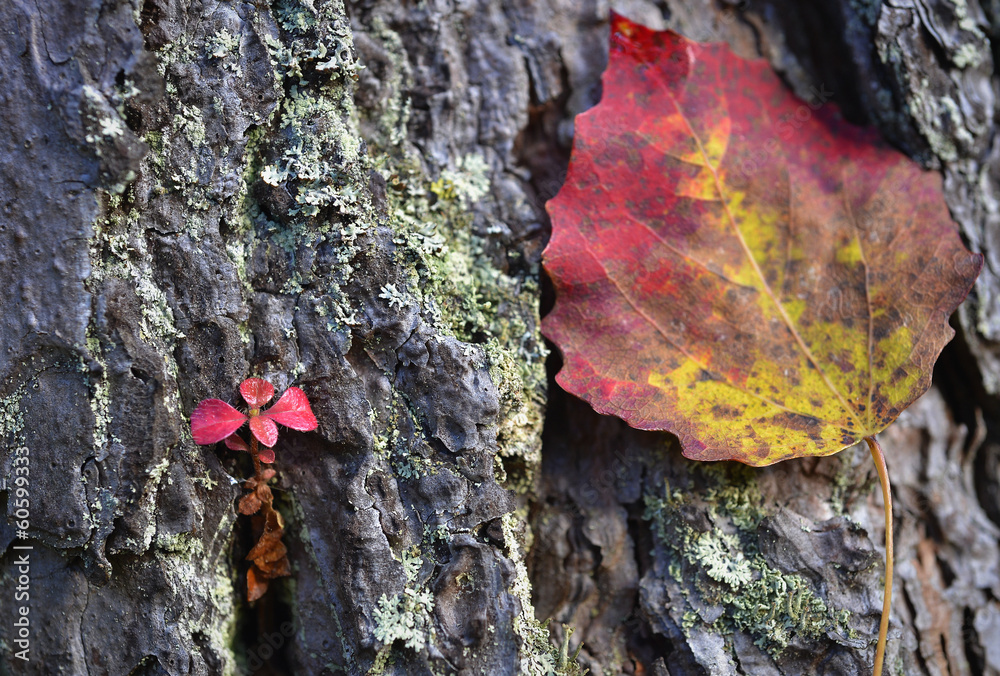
(351, 199)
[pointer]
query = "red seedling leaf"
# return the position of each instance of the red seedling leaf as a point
(256, 391)
(213, 420)
(265, 430)
(293, 410)
(739, 267)
(236, 443)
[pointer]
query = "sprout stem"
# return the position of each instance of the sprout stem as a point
(883, 477)
(256, 458)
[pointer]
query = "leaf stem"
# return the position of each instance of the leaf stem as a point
(883, 477)
(257, 473)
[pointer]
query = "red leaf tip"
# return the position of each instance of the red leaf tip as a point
(256, 391)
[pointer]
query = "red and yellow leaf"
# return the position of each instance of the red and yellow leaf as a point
(738, 267)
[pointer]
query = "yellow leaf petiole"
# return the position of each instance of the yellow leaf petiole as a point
(883, 477)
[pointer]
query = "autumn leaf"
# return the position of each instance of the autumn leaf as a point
(249, 504)
(257, 584)
(267, 550)
(269, 556)
(742, 268)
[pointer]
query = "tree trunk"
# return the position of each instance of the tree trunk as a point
(351, 200)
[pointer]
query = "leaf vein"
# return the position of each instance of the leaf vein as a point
(753, 262)
(724, 380)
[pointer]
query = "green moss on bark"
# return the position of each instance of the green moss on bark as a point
(723, 568)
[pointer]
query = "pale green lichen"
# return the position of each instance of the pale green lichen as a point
(845, 485)
(724, 560)
(158, 470)
(968, 56)
(185, 567)
(413, 467)
(386, 125)
(184, 544)
(315, 180)
(222, 43)
(180, 50)
(437, 534)
(539, 657)
(100, 405)
(117, 250)
(12, 418)
(322, 165)
(225, 47)
(522, 401)
(463, 294)
(451, 275)
(390, 293)
(939, 119)
(207, 481)
(957, 121)
(408, 617)
(965, 20)
(189, 122)
(725, 567)
(296, 16)
(458, 286)
(103, 122)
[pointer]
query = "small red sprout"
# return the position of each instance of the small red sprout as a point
(212, 421)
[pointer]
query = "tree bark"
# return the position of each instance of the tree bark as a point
(351, 199)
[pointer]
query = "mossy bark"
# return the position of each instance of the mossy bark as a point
(350, 199)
